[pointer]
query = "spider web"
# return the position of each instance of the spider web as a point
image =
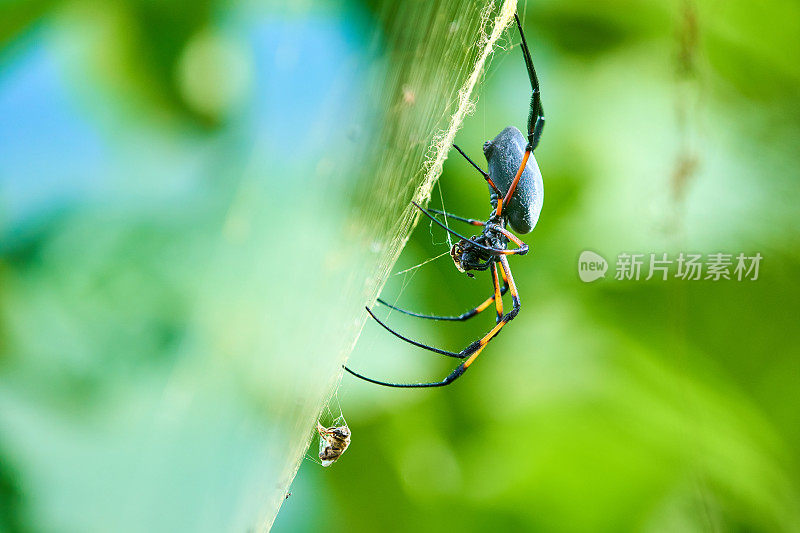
(463, 37)
(326, 419)
(315, 264)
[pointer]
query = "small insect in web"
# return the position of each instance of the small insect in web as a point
(333, 441)
(516, 194)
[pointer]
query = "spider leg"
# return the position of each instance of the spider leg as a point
(448, 353)
(470, 353)
(498, 295)
(471, 162)
(479, 169)
(535, 117)
(463, 316)
(523, 248)
(462, 219)
(519, 251)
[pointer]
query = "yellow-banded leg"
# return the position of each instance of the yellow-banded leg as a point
(469, 354)
(498, 300)
(503, 321)
(466, 315)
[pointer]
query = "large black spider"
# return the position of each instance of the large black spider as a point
(516, 193)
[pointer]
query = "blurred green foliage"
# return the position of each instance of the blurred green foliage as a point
(612, 406)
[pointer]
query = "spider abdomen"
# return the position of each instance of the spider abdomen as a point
(504, 154)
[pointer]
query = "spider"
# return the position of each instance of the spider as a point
(516, 193)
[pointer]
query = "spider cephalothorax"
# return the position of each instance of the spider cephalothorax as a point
(471, 254)
(516, 193)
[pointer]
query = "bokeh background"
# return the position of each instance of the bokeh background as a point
(160, 173)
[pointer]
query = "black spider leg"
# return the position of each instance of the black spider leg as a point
(479, 169)
(463, 316)
(536, 115)
(458, 355)
(471, 162)
(462, 219)
(469, 354)
(535, 120)
(519, 251)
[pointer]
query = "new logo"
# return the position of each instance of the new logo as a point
(591, 266)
